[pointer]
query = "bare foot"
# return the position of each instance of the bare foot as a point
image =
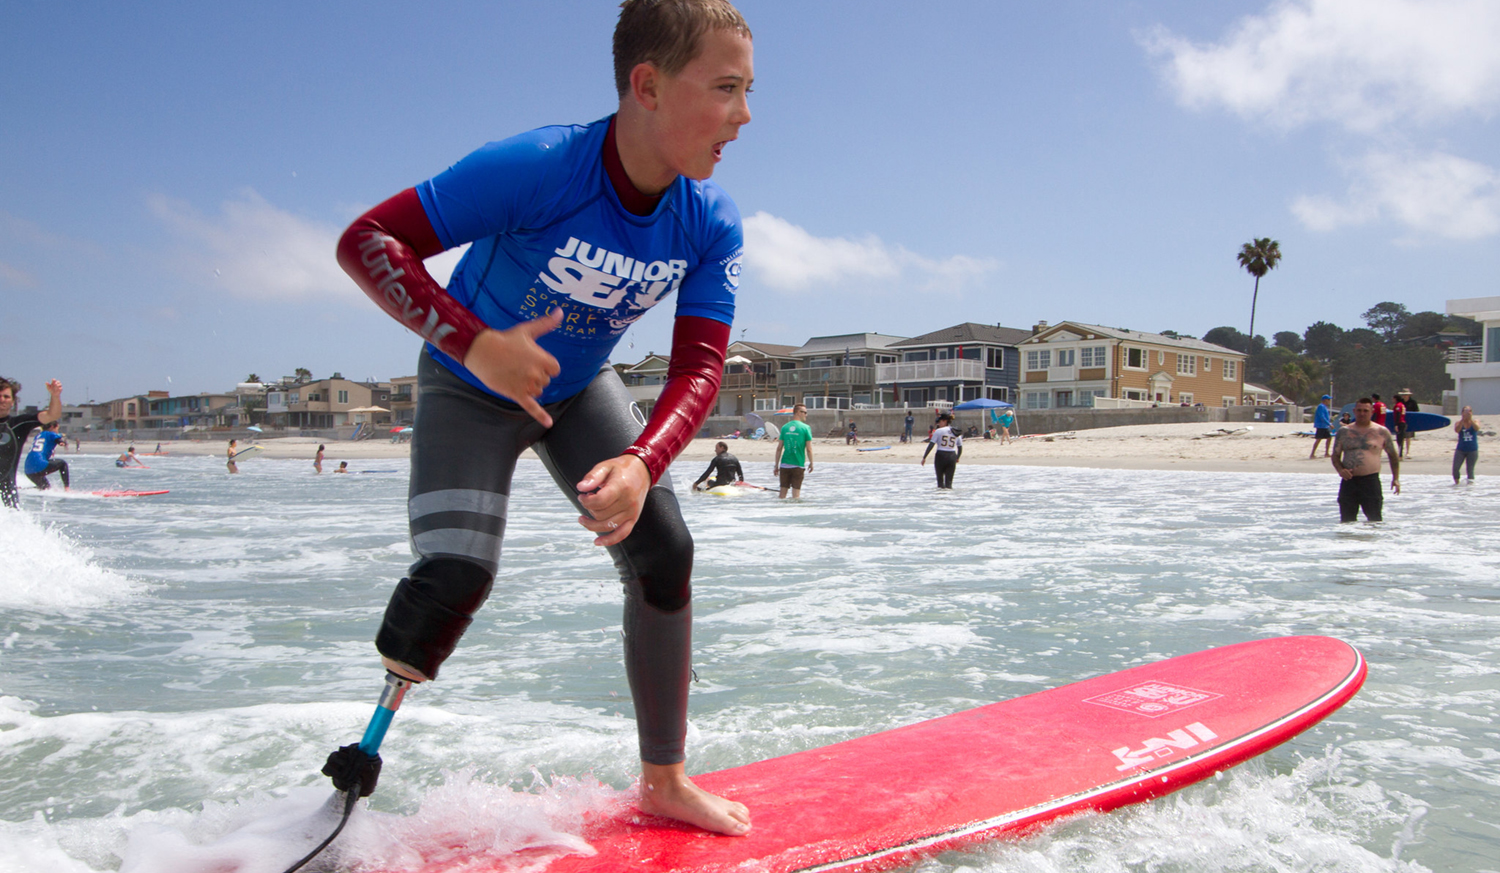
(666, 791)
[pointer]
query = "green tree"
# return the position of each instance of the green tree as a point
(252, 378)
(1322, 340)
(303, 374)
(1291, 380)
(1387, 318)
(1258, 257)
(1288, 339)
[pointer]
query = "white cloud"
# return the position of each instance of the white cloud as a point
(1434, 194)
(1363, 64)
(787, 257)
(16, 276)
(255, 251)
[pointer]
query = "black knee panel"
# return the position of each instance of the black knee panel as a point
(658, 556)
(430, 610)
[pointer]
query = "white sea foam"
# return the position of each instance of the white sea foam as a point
(47, 570)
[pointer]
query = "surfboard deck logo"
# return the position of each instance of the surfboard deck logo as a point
(894, 797)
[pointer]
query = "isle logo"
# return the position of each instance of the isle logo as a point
(1156, 748)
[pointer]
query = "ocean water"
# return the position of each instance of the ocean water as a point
(174, 669)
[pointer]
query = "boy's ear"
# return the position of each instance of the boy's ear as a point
(645, 84)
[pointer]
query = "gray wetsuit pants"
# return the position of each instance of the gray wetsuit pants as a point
(464, 448)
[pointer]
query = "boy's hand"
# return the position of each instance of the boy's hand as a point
(614, 493)
(510, 362)
(54, 388)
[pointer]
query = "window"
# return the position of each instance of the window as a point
(1207, 362)
(1135, 358)
(1091, 356)
(969, 354)
(1492, 345)
(1231, 370)
(1038, 360)
(998, 393)
(911, 357)
(820, 362)
(1065, 359)
(1038, 400)
(343, 396)
(995, 359)
(313, 397)
(1185, 397)
(1228, 401)
(1161, 357)
(1187, 365)
(1133, 394)
(1064, 398)
(885, 359)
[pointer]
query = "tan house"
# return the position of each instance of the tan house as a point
(322, 404)
(1071, 363)
(749, 382)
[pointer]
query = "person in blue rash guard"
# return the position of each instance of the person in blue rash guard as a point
(575, 232)
(39, 461)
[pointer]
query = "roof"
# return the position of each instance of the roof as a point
(854, 342)
(770, 350)
(969, 332)
(1141, 336)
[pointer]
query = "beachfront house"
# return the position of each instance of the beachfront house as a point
(1476, 371)
(1073, 364)
(835, 372)
(749, 382)
(322, 404)
(403, 403)
(644, 379)
(203, 411)
(964, 362)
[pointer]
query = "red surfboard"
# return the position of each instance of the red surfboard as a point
(890, 798)
(127, 493)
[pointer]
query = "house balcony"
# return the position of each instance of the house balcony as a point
(1466, 355)
(951, 370)
(824, 379)
(748, 382)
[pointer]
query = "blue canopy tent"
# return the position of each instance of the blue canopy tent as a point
(982, 403)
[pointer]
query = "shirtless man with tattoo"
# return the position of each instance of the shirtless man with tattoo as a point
(1356, 455)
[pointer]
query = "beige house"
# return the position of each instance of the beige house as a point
(322, 404)
(1071, 363)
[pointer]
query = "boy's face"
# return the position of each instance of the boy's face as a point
(702, 108)
(7, 401)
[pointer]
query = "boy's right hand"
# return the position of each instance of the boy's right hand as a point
(510, 362)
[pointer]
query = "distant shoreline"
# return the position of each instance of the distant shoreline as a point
(1264, 448)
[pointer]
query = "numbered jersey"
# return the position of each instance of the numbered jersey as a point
(946, 439)
(549, 232)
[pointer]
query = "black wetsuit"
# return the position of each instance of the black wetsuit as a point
(457, 512)
(725, 469)
(14, 430)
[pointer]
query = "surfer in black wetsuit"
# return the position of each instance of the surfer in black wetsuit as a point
(14, 429)
(725, 469)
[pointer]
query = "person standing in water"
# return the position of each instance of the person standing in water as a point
(794, 456)
(576, 231)
(39, 462)
(14, 429)
(950, 447)
(1467, 451)
(1356, 457)
(229, 455)
(725, 468)
(318, 461)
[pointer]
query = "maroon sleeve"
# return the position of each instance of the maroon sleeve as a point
(382, 252)
(693, 376)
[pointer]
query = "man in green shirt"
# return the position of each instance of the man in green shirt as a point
(794, 452)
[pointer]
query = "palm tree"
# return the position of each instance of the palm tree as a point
(1258, 257)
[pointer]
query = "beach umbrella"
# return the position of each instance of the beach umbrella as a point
(396, 429)
(254, 428)
(754, 420)
(785, 410)
(737, 359)
(406, 430)
(982, 403)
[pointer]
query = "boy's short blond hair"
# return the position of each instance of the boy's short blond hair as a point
(667, 32)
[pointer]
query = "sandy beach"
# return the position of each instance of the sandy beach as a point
(1261, 448)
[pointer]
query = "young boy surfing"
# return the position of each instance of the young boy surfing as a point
(576, 232)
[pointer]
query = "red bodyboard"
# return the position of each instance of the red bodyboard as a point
(888, 799)
(127, 493)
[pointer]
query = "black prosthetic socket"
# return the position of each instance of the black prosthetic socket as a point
(430, 610)
(351, 768)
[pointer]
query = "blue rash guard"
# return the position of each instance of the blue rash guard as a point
(548, 231)
(41, 453)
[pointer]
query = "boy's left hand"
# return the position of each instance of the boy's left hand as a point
(614, 493)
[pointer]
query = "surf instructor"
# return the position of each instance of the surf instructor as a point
(14, 429)
(576, 231)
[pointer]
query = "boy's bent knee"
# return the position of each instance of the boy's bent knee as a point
(430, 610)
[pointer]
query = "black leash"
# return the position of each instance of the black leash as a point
(355, 768)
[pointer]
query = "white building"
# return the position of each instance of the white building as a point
(1476, 374)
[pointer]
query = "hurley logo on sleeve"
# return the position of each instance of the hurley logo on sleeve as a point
(372, 254)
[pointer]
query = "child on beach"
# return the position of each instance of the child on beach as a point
(576, 231)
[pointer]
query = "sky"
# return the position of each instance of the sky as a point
(173, 176)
